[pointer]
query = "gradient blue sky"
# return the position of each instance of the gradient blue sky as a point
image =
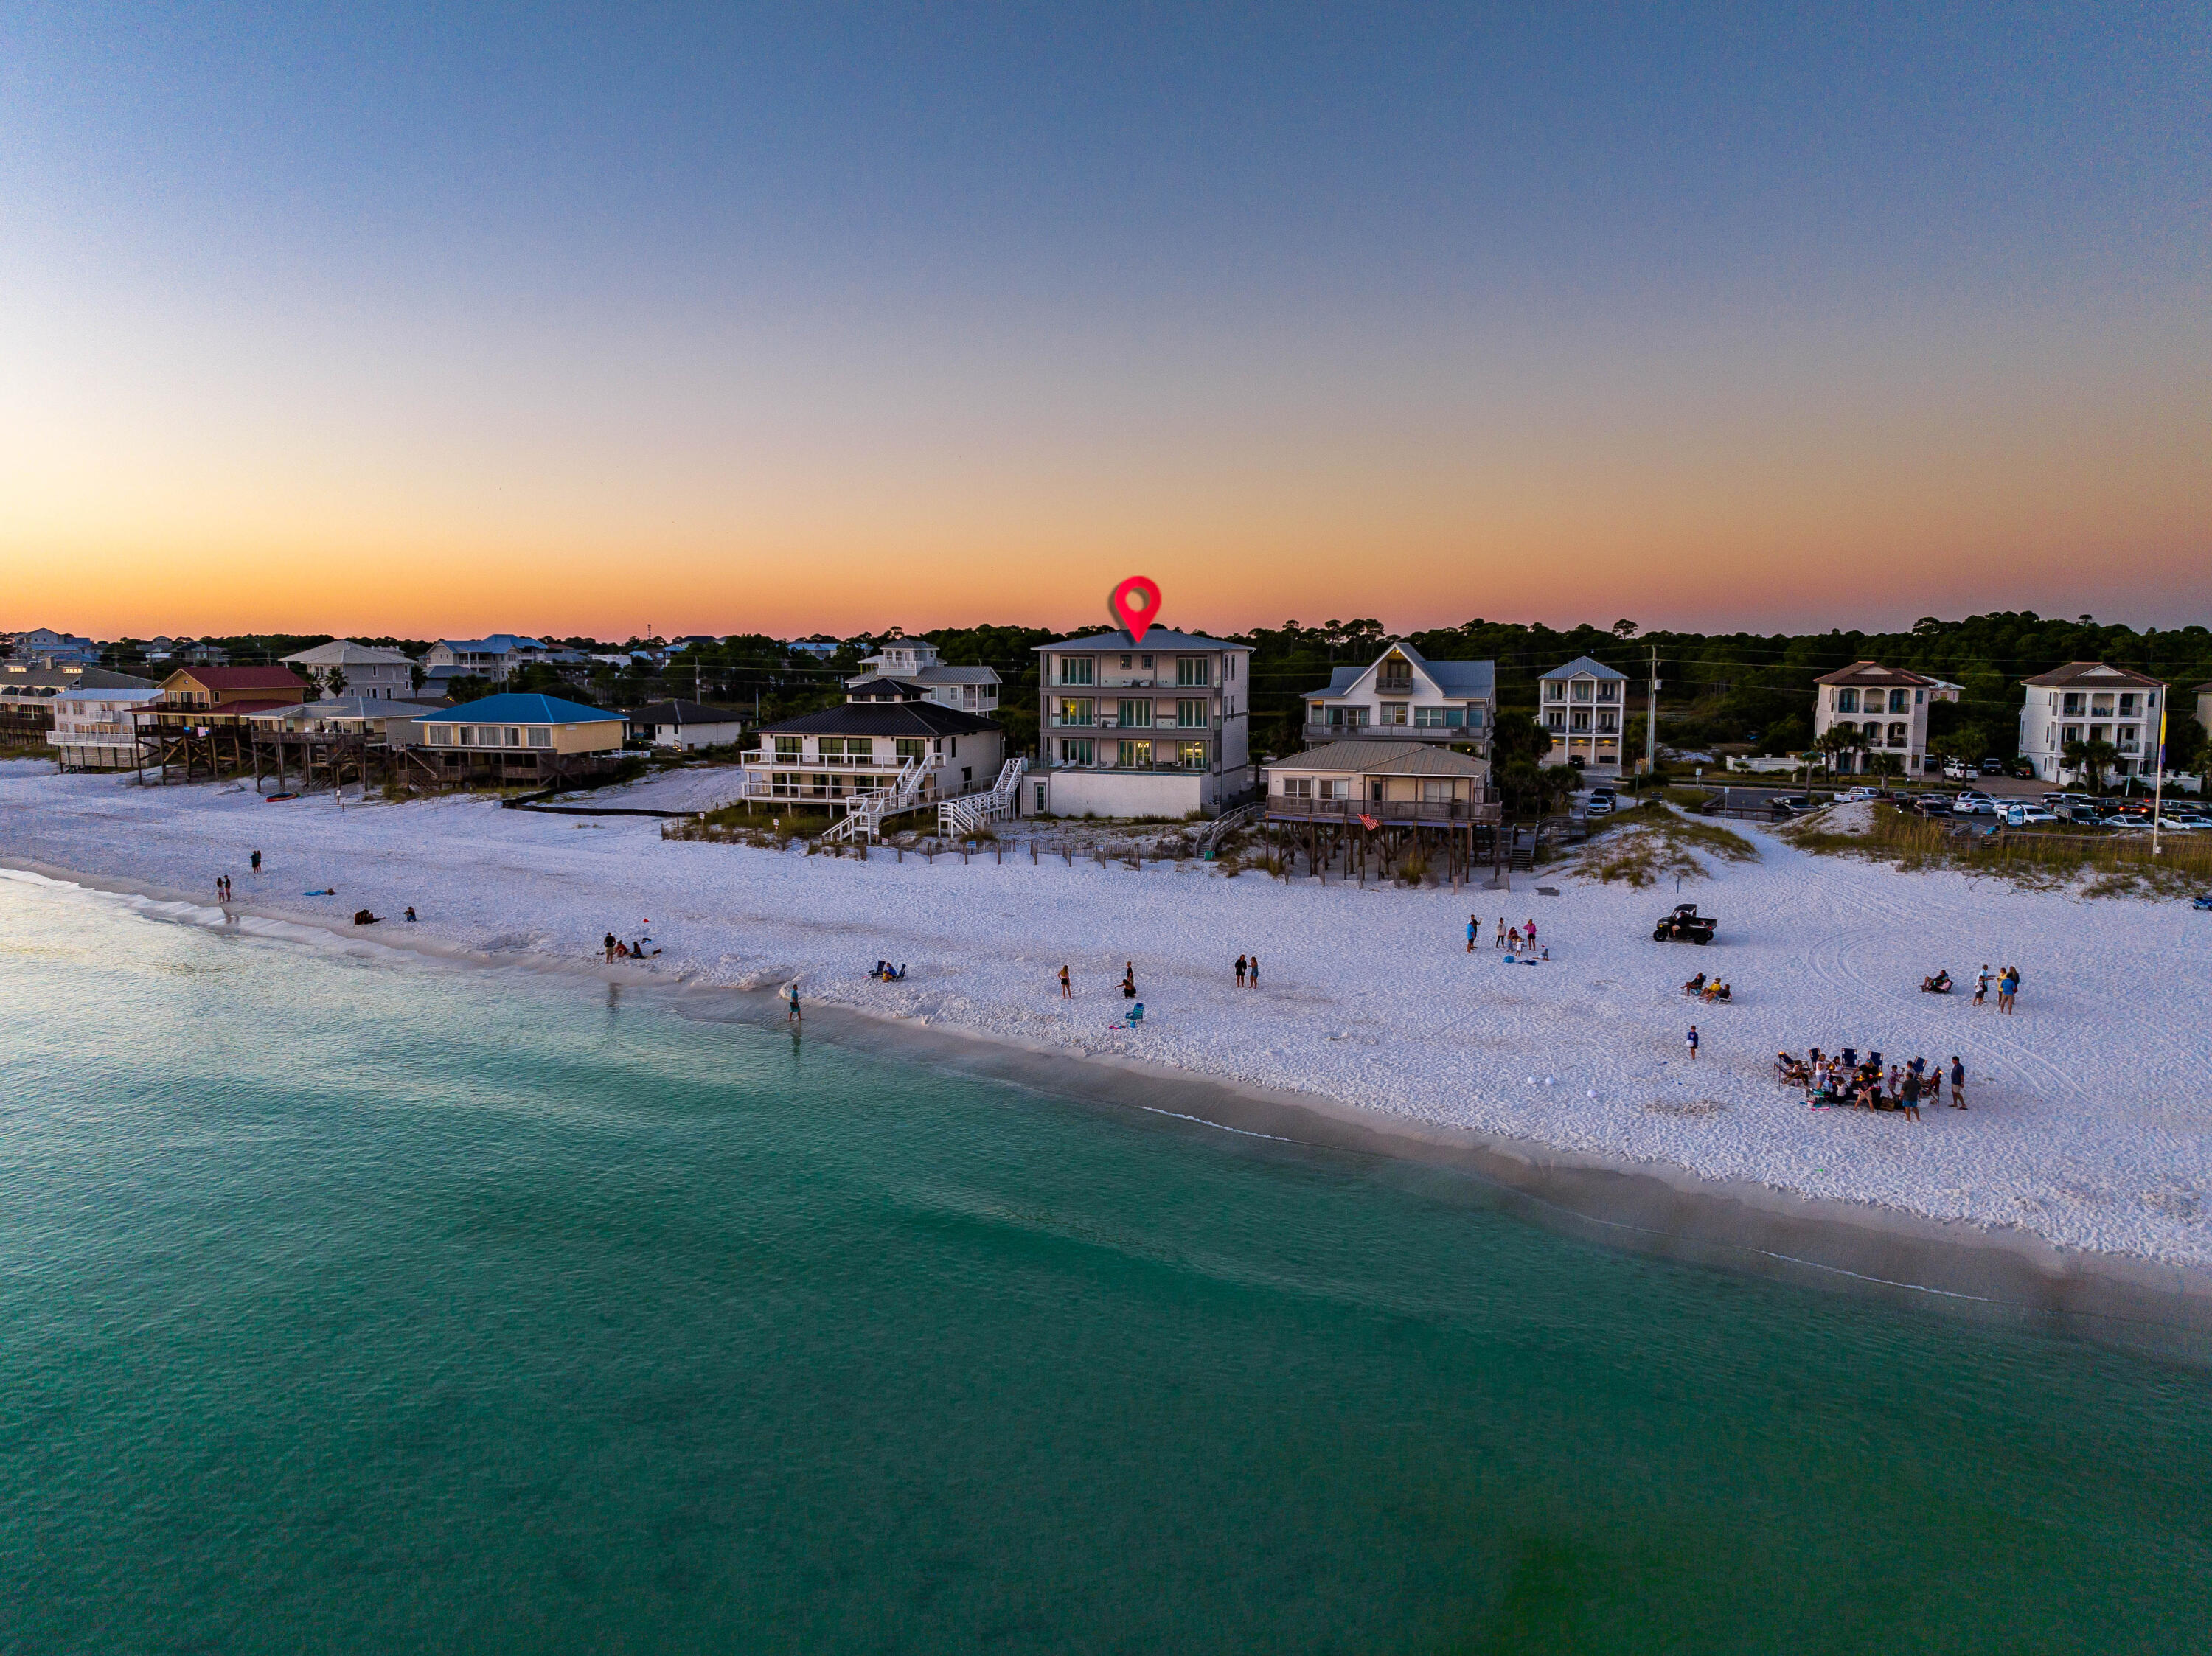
(418, 318)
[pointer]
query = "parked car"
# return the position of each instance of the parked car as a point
(1857, 796)
(1972, 802)
(1933, 804)
(1685, 925)
(1602, 801)
(1993, 767)
(1956, 770)
(2029, 816)
(2178, 823)
(1789, 805)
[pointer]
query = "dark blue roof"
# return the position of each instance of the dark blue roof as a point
(517, 709)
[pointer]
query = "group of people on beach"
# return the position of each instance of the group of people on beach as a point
(1845, 1078)
(2006, 979)
(1248, 966)
(1515, 940)
(616, 948)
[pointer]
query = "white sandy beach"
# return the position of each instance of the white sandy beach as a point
(2091, 1118)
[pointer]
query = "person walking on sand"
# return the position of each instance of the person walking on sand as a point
(1982, 986)
(1474, 930)
(1690, 1041)
(257, 862)
(1499, 941)
(1240, 971)
(1066, 991)
(1255, 972)
(1958, 1083)
(791, 1002)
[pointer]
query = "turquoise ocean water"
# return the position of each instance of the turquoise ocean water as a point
(348, 1307)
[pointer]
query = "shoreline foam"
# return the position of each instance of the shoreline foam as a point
(1864, 1248)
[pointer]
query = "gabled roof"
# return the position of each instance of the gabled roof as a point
(1382, 759)
(1470, 679)
(519, 708)
(1157, 639)
(684, 713)
(1872, 672)
(340, 651)
(85, 678)
(2095, 675)
(242, 679)
(349, 706)
(884, 719)
(1583, 665)
(938, 674)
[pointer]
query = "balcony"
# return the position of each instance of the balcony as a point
(1425, 812)
(1317, 734)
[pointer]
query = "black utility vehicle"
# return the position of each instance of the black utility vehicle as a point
(1685, 925)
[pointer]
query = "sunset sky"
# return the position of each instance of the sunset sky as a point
(825, 318)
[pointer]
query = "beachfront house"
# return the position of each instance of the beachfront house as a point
(345, 668)
(518, 738)
(915, 662)
(1155, 729)
(202, 694)
(1403, 782)
(687, 725)
(1887, 705)
(864, 745)
(1583, 705)
(496, 656)
(43, 646)
(96, 729)
(28, 690)
(2088, 702)
(1402, 696)
(377, 717)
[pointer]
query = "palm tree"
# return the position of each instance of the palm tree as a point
(1840, 739)
(2100, 755)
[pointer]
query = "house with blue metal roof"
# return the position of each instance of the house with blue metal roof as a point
(519, 737)
(1403, 696)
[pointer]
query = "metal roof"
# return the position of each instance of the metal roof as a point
(684, 713)
(519, 708)
(1872, 672)
(884, 719)
(1460, 678)
(1382, 759)
(1584, 664)
(1157, 639)
(2092, 673)
(340, 651)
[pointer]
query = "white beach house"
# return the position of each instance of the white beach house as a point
(915, 662)
(1155, 729)
(863, 746)
(687, 725)
(2089, 701)
(1583, 705)
(1402, 696)
(96, 729)
(343, 667)
(1888, 706)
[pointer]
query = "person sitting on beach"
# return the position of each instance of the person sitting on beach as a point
(410, 913)
(1938, 984)
(1720, 991)
(1696, 985)
(621, 951)
(363, 917)
(639, 951)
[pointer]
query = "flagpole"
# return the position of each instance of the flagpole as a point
(2158, 784)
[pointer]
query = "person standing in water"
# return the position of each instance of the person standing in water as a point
(791, 1001)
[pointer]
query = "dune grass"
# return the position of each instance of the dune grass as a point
(1648, 843)
(2106, 865)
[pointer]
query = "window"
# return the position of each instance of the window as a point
(831, 747)
(1609, 690)
(514, 737)
(1076, 710)
(1556, 720)
(1190, 713)
(1194, 670)
(1847, 701)
(1436, 790)
(1077, 753)
(1474, 718)
(1125, 664)
(2100, 732)
(2129, 705)
(1354, 719)
(909, 747)
(468, 735)
(1075, 669)
(2070, 733)
(1896, 736)
(2077, 704)
(1608, 721)
(437, 736)
(1438, 719)
(541, 736)
(1148, 664)
(1297, 787)
(1039, 806)
(1138, 754)
(1190, 756)
(1332, 788)
(862, 747)
(1585, 689)
(1579, 719)
(1135, 716)
(1555, 690)
(1394, 713)
(790, 747)
(1899, 701)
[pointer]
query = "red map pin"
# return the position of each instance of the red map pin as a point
(1136, 604)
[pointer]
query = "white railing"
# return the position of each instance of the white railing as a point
(865, 812)
(971, 811)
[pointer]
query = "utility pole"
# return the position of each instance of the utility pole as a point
(1651, 717)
